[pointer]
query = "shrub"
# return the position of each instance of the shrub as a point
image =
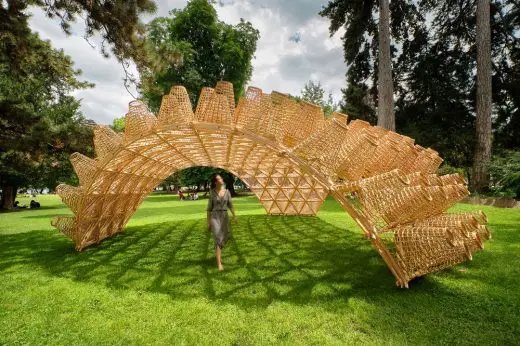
(447, 169)
(504, 171)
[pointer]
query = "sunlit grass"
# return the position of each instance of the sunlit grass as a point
(289, 280)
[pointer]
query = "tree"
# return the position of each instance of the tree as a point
(433, 104)
(480, 179)
(506, 97)
(367, 41)
(453, 27)
(330, 106)
(117, 21)
(434, 78)
(385, 106)
(39, 119)
(54, 167)
(210, 51)
(314, 93)
(118, 124)
(35, 81)
(358, 104)
(505, 174)
(173, 180)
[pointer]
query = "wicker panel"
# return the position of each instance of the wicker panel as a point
(106, 141)
(426, 249)
(301, 121)
(321, 149)
(216, 110)
(226, 88)
(248, 113)
(138, 120)
(67, 225)
(172, 112)
(205, 95)
(182, 102)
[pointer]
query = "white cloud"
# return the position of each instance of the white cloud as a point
(280, 63)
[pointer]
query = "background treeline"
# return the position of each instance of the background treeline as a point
(426, 80)
(433, 61)
(40, 122)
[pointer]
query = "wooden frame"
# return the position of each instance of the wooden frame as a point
(292, 158)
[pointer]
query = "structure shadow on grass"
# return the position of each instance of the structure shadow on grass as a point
(30, 210)
(303, 261)
(297, 259)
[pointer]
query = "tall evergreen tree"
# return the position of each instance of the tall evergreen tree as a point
(39, 119)
(495, 94)
(361, 45)
(313, 92)
(434, 70)
(385, 87)
(480, 180)
(117, 21)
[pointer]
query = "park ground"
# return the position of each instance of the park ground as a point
(287, 280)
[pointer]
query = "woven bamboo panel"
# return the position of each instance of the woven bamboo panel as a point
(292, 158)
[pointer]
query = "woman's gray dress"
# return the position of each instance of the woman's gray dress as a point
(219, 220)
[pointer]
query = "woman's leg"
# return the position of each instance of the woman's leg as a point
(218, 255)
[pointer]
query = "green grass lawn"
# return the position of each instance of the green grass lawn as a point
(287, 280)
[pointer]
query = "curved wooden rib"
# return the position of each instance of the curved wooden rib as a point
(291, 158)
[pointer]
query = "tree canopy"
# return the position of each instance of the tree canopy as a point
(117, 21)
(210, 50)
(434, 70)
(313, 92)
(40, 121)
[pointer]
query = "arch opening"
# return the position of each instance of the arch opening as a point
(280, 189)
(115, 185)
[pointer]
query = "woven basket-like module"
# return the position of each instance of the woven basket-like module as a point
(292, 158)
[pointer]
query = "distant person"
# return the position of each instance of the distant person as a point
(181, 195)
(218, 220)
(195, 196)
(34, 204)
(18, 206)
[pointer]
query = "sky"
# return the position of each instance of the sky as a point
(294, 47)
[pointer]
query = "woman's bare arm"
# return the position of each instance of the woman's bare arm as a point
(232, 208)
(210, 207)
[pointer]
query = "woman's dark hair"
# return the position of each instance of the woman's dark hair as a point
(214, 180)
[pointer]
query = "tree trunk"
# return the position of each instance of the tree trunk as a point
(385, 87)
(8, 197)
(480, 181)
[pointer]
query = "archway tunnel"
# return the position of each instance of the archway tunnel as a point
(292, 158)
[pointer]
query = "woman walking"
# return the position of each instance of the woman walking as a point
(218, 220)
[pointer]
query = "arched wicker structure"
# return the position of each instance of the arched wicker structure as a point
(292, 158)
